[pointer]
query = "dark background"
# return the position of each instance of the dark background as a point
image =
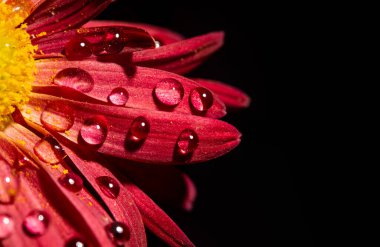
(263, 193)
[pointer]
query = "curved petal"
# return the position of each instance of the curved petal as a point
(54, 16)
(135, 134)
(138, 82)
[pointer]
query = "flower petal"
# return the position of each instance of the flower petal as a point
(58, 15)
(231, 96)
(125, 132)
(180, 57)
(138, 82)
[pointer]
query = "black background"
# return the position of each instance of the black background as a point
(263, 193)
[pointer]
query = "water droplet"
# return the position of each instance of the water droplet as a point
(9, 183)
(187, 142)
(71, 182)
(94, 131)
(111, 43)
(36, 223)
(118, 232)
(139, 130)
(7, 226)
(109, 186)
(75, 78)
(201, 99)
(57, 116)
(75, 242)
(169, 92)
(78, 48)
(49, 150)
(119, 96)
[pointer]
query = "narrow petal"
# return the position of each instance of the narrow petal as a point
(138, 84)
(180, 57)
(231, 96)
(163, 35)
(135, 134)
(58, 15)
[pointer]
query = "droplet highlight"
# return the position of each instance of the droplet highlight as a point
(75, 78)
(201, 99)
(139, 129)
(36, 223)
(71, 181)
(7, 226)
(187, 142)
(94, 131)
(57, 116)
(109, 186)
(75, 242)
(118, 96)
(169, 92)
(78, 48)
(118, 232)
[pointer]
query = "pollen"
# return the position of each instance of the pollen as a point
(17, 66)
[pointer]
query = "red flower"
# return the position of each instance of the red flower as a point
(83, 108)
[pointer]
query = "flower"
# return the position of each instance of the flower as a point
(85, 108)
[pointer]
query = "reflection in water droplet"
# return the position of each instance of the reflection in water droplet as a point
(57, 116)
(118, 232)
(71, 182)
(7, 226)
(94, 131)
(78, 48)
(119, 96)
(111, 43)
(9, 183)
(169, 92)
(49, 150)
(75, 78)
(36, 223)
(187, 142)
(201, 99)
(139, 129)
(109, 186)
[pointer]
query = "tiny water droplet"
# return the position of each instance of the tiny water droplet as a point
(49, 150)
(201, 99)
(78, 48)
(75, 242)
(119, 96)
(187, 142)
(9, 183)
(139, 129)
(71, 182)
(118, 232)
(109, 186)
(169, 92)
(75, 78)
(57, 116)
(94, 131)
(7, 226)
(36, 223)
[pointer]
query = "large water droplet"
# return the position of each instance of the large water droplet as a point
(71, 182)
(36, 223)
(7, 226)
(109, 186)
(118, 232)
(119, 96)
(75, 242)
(111, 43)
(139, 129)
(49, 150)
(94, 131)
(57, 117)
(201, 99)
(169, 92)
(78, 48)
(187, 142)
(9, 183)
(75, 78)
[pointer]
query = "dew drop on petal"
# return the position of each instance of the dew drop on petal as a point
(169, 92)
(49, 150)
(75, 242)
(111, 43)
(118, 96)
(7, 226)
(9, 183)
(118, 232)
(109, 186)
(78, 48)
(139, 130)
(58, 117)
(201, 99)
(75, 78)
(71, 182)
(36, 223)
(187, 142)
(94, 131)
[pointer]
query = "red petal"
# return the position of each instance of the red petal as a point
(163, 35)
(180, 57)
(108, 129)
(57, 15)
(156, 219)
(231, 96)
(139, 83)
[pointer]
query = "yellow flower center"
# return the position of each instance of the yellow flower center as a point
(17, 66)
